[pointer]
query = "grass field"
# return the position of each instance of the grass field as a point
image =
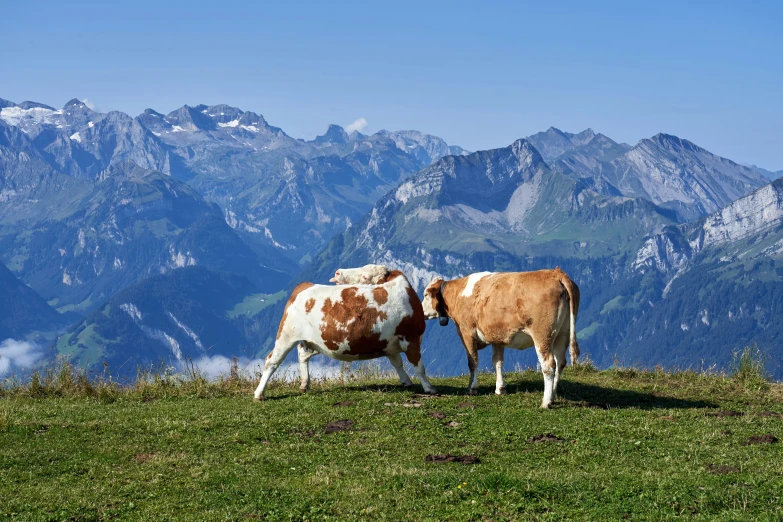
(624, 445)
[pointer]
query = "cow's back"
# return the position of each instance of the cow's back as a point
(506, 303)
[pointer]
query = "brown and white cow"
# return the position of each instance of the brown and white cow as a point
(352, 323)
(365, 275)
(511, 309)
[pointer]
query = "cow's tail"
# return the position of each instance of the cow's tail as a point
(573, 300)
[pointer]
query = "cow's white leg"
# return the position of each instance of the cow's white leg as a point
(547, 363)
(304, 354)
(559, 353)
(413, 354)
(273, 361)
(422, 376)
(497, 362)
(396, 362)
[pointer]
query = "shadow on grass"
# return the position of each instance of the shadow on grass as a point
(578, 394)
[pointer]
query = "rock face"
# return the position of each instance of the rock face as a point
(666, 170)
(757, 214)
(677, 174)
(453, 216)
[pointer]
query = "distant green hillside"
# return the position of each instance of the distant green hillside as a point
(185, 314)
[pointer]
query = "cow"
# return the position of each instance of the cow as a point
(351, 323)
(511, 309)
(367, 275)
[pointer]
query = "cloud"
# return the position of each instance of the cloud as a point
(220, 366)
(358, 125)
(18, 355)
(90, 104)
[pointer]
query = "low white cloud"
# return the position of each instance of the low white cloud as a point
(18, 355)
(219, 366)
(89, 103)
(357, 125)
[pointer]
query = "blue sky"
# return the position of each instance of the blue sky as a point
(478, 75)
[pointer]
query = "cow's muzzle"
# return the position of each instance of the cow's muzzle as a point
(444, 321)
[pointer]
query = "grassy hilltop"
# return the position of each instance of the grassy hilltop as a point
(619, 444)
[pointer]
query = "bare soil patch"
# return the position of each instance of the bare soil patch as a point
(338, 425)
(545, 437)
(443, 458)
(762, 439)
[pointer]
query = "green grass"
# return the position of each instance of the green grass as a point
(253, 304)
(75, 307)
(174, 449)
(612, 305)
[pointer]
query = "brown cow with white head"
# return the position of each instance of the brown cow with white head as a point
(351, 323)
(511, 309)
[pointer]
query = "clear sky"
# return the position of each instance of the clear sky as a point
(478, 74)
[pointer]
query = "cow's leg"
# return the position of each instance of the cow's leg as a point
(273, 361)
(547, 362)
(471, 349)
(559, 352)
(497, 362)
(304, 353)
(413, 354)
(396, 361)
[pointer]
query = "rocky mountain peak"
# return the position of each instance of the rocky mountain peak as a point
(334, 135)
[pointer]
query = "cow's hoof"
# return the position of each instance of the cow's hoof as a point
(501, 391)
(472, 392)
(258, 399)
(546, 406)
(407, 386)
(433, 391)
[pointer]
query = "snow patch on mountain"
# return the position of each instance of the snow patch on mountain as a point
(190, 333)
(19, 117)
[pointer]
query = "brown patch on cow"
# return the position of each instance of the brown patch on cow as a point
(352, 307)
(444, 458)
(412, 327)
(726, 413)
(309, 305)
(762, 439)
(380, 295)
(338, 425)
(143, 457)
(301, 287)
(773, 414)
(545, 437)
(343, 403)
(391, 276)
(437, 415)
(721, 469)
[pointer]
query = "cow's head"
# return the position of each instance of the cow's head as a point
(433, 303)
(366, 275)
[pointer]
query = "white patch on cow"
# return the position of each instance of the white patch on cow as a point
(472, 280)
(480, 336)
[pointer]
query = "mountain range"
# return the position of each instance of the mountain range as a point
(164, 237)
